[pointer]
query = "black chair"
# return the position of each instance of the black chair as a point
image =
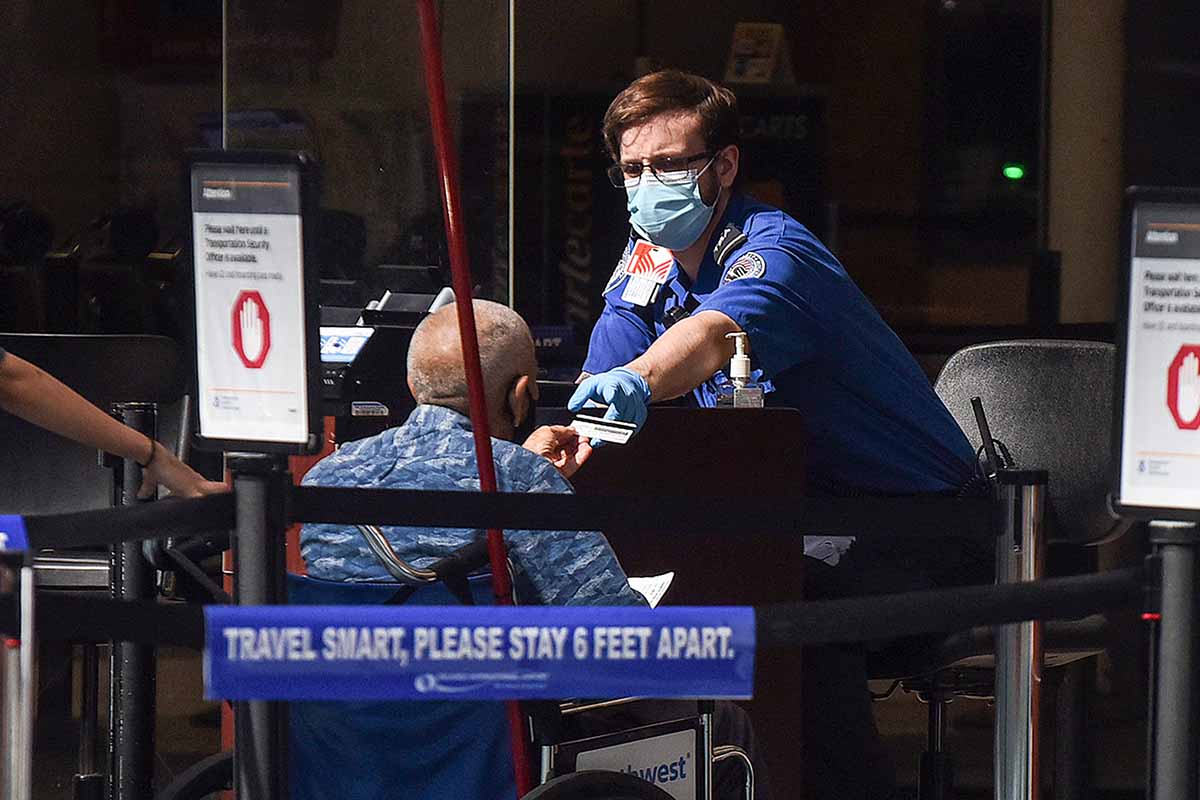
(1050, 403)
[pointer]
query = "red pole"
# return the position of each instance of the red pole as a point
(443, 145)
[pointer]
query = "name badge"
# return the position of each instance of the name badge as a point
(648, 269)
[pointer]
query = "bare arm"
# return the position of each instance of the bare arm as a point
(38, 397)
(686, 355)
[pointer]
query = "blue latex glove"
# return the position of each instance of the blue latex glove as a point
(624, 391)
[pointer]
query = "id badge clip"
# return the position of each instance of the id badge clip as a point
(649, 266)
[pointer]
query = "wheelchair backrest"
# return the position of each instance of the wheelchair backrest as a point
(306, 591)
(379, 751)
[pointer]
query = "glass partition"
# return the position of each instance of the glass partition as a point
(344, 79)
(907, 135)
(101, 101)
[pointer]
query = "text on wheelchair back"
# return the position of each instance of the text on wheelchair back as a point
(666, 761)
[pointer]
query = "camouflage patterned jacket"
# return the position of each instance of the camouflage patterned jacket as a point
(434, 450)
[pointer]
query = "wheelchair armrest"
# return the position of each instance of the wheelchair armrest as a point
(557, 721)
(576, 706)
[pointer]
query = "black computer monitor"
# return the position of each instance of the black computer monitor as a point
(342, 344)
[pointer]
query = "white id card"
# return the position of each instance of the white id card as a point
(640, 290)
(605, 430)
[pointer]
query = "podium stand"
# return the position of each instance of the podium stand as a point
(741, 454)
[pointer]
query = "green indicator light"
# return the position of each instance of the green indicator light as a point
(1014, 171)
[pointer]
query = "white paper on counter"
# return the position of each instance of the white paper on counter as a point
(653, 588)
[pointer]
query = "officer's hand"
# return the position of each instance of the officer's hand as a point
(624, 391)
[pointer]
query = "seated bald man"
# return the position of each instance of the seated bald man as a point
(28, 392)
(434, 450)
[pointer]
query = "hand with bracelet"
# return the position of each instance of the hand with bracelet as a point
(39, 398)
(162, 468)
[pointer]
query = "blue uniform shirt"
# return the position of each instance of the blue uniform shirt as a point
(817, 344)
(434, 449)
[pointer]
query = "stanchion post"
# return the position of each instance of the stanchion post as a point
(28, 668)
(10, 694)
(132, 668)
(1174, 745)
(260, 485)
(89, 784)
(18, 687)
(1020, 556)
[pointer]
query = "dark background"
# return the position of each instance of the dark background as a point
(887, 139)
(910, 110)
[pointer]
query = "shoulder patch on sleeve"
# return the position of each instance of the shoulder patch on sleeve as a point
(618, 272)
(748, 265)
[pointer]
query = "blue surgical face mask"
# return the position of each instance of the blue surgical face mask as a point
(669, 215)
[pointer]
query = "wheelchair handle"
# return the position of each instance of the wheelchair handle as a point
(396, 566)
(463, 561)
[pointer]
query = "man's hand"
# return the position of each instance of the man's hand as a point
(624, 391)
(561, 445)
(182, 480)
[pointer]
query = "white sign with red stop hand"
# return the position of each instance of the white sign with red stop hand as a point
(250, 311)
(251, 329)
(1160, 438)
(1183, 387)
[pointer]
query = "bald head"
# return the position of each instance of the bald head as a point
(436, 374)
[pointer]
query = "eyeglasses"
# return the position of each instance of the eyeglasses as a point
(672, 171)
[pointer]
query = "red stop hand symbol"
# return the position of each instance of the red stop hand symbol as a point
(1183, 387)
(251, 329)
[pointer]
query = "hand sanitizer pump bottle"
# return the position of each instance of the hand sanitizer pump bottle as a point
(741, 391)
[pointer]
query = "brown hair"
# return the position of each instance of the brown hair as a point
(673, 90)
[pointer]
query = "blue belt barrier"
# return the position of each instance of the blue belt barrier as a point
(477, 653)
(12, 534)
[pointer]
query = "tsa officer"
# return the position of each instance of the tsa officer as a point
(704, 260)
(734, 263)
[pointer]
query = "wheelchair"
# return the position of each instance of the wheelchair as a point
(450, 749)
